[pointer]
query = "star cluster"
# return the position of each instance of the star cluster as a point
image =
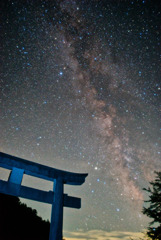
(81, 91)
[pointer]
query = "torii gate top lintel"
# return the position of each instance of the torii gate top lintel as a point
(41, 171)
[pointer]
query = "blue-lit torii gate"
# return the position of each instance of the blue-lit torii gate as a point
(57, 198)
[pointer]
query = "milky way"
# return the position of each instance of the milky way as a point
(80, 91)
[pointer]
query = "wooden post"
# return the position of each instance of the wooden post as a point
(57, 211)
(15, 180)
(16, 175)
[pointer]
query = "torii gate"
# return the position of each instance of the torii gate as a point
(56, 197)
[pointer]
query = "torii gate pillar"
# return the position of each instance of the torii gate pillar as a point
(57, 211)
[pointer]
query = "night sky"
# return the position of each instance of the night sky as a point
(80, 90)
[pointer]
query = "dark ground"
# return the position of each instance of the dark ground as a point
(19, 222)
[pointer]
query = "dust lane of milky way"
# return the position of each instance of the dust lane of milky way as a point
(106, 120)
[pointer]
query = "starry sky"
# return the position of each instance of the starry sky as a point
(80, 90)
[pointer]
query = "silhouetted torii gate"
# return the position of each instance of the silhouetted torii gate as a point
(57, 197)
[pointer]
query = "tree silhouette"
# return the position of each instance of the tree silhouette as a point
(19, 222)
(154, 208)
